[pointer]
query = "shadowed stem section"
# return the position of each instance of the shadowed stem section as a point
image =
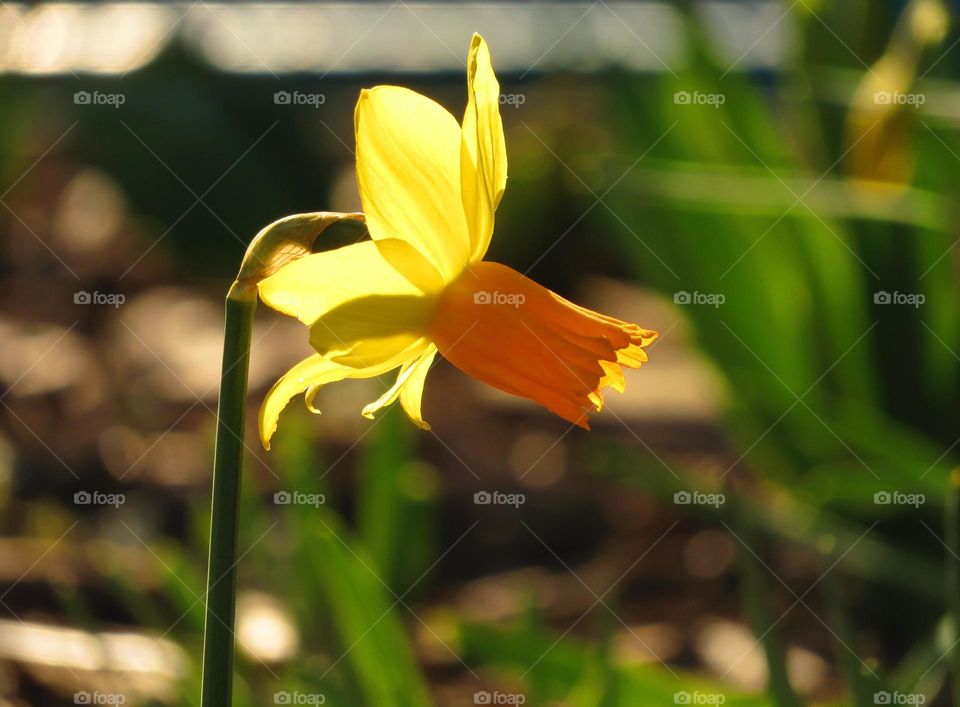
(218, 635)
(952, 532)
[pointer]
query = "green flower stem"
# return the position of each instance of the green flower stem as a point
(218, 635)
(278, 244)
(952, 532)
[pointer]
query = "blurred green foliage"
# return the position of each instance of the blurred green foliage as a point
(833, 396)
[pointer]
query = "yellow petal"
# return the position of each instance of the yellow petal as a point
(408, 387)
(412, 392)
(408, 372)
(313, 370)
(408, 170)
(313, 373)
(483, 155)
(359, 308)
(363, 331)
(316, 284)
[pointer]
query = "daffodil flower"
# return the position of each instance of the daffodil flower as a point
(430, 188)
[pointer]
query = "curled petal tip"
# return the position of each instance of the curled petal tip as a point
(266, 435)
(309, 398)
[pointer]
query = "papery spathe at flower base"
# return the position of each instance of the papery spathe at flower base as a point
(430, 188)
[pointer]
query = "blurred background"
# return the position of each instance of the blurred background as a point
(758, 520)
